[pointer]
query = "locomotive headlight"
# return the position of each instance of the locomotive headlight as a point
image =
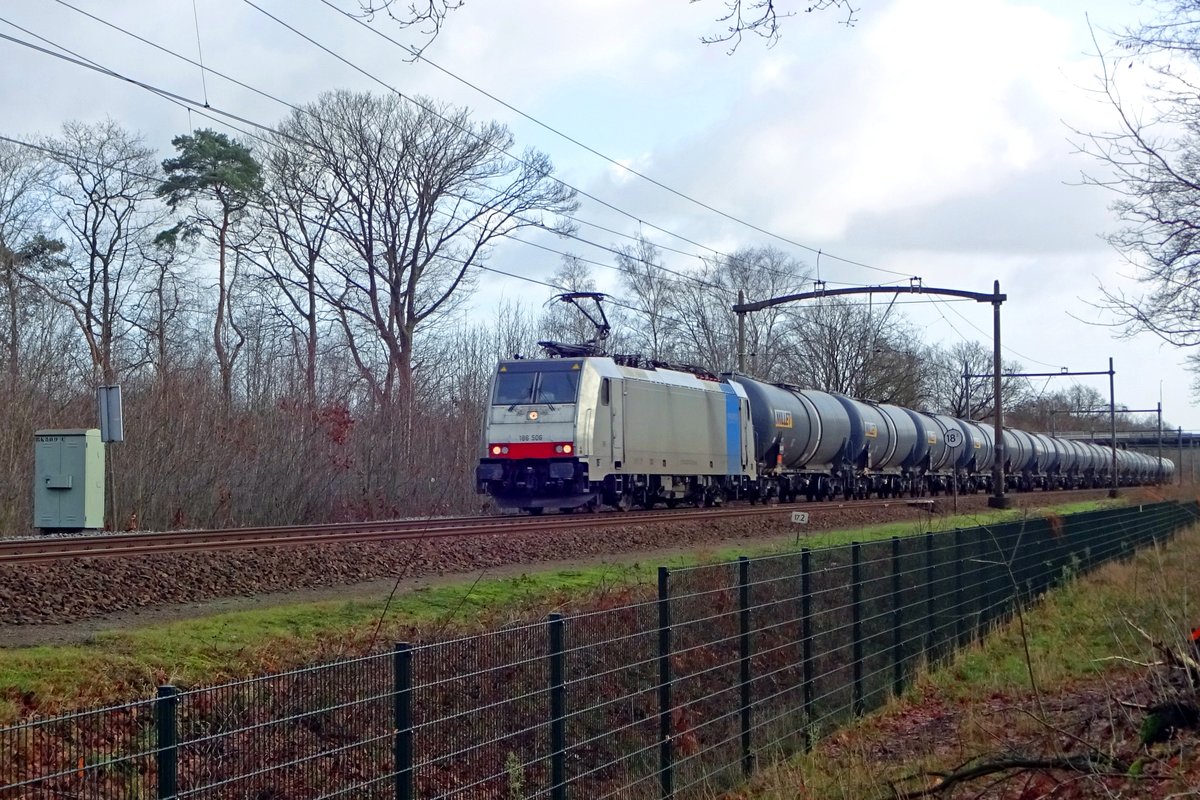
(558, 448)
(533, 414)
(503, 449)
(566, 448)
(495, 449)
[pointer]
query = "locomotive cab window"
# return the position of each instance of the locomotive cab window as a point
(604, 392)
(526, 388)
(557, 387)
(514, 388)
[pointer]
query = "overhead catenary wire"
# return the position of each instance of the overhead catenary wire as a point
(181, 99)
(580, 239)
(204, 110)
(1004, 346)
(547, 284)
(201, 109)
(420, 55)
(200, 52)
(207, 70)
(658, 314)
(410, 99)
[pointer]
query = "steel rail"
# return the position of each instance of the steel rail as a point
(35, 551)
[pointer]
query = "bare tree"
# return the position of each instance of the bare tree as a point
(706, 324)
(1151, 162)
(972, 398)
(759, 17)
(419, 193)
(24, 207)
(161, 312)
(297, 209)
(427, 16)
(651, 291)
(103, 198)
(852, 348)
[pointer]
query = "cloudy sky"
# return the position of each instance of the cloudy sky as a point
(931, 138)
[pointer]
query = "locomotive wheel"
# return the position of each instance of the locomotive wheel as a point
(535, 510)
(672, 502)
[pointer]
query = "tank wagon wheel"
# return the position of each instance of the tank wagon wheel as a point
(570, 510)
(672, 502)
(535, 511)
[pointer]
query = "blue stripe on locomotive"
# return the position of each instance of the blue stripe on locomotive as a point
(733, 430)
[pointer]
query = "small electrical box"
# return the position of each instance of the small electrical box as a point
(68, 481)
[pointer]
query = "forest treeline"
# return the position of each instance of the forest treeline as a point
(296, 322)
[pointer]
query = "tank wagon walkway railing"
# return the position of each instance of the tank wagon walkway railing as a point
(730, 666)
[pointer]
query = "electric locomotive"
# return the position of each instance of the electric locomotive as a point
(574, 432)
(582, 429)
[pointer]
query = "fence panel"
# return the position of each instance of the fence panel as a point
(612, 703)
(705, 626)
(777, 664)
(92, 755)
(481, 714)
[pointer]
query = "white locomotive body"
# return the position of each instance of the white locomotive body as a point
(570, 432)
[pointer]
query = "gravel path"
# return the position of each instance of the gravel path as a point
(108, 593)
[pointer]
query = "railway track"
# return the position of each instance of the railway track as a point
(127, 545)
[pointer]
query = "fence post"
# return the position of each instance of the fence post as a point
(930, 619)
(402, 719)
(960, 623)
(806, 648)
(166, 726)
(856, 612)
(744, 654)
(666, 765)
(897, 622)
(558, 710)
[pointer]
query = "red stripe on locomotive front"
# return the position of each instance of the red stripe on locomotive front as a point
(531, 449)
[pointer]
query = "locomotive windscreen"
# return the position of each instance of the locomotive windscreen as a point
(525, 388)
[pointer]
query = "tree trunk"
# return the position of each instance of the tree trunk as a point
(219, 322)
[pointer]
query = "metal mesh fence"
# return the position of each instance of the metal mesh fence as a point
(109, 752)
(730, 666)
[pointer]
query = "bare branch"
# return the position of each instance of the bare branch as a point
(762, 18)
(1090, 764)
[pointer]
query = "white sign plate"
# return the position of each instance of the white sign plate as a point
(800, 517)
(954, 438)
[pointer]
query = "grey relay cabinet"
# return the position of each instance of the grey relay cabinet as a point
(68, 480)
